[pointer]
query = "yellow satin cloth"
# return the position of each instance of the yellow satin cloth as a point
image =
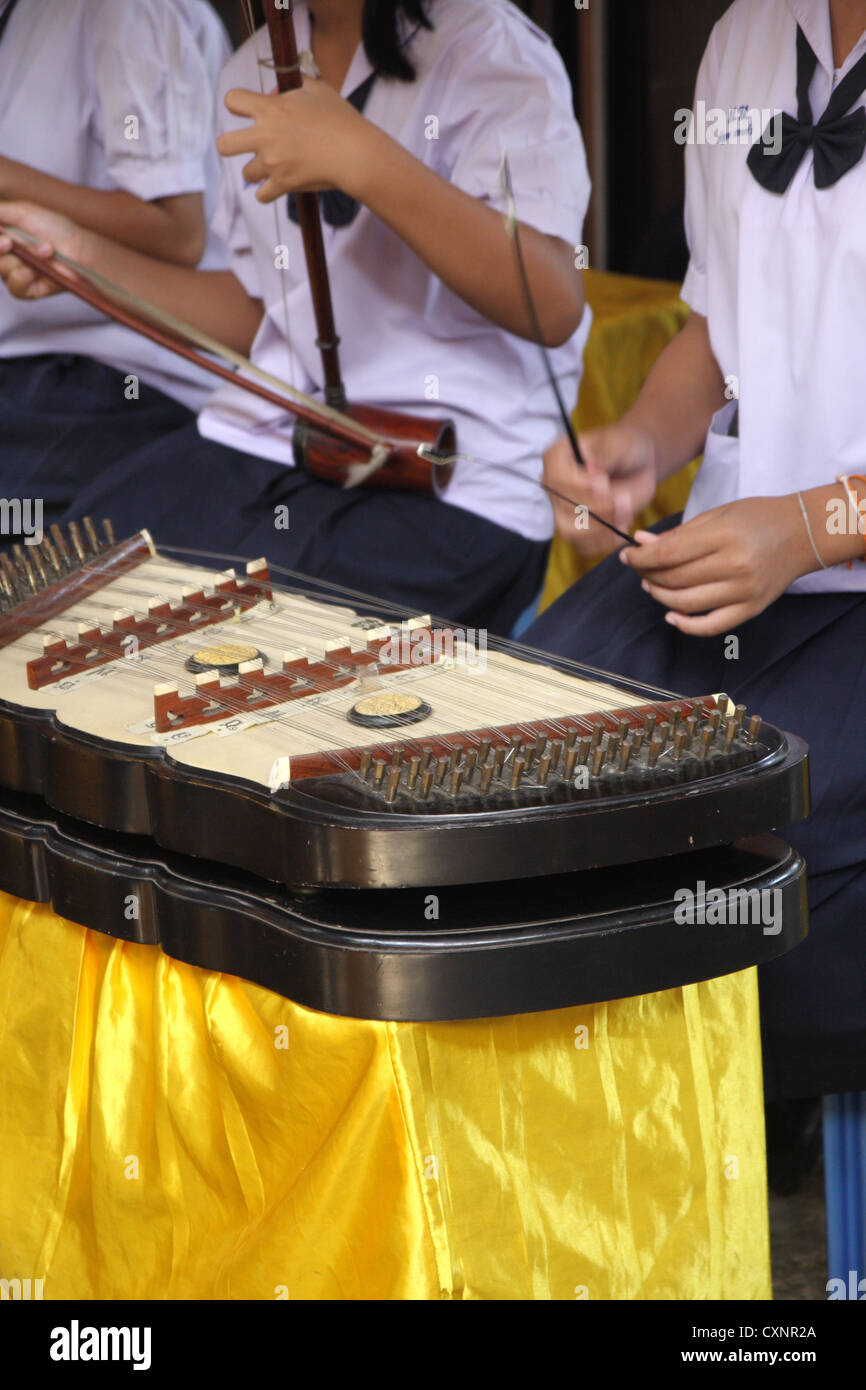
(633, 320)
(167, 1132)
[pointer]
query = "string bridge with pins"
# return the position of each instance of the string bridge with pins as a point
(549, 762)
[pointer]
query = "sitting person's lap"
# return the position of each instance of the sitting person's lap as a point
(799, 665)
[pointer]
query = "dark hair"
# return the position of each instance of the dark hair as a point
(381, 34)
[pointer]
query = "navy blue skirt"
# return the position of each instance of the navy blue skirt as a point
(802, 666)
(410, 550)
(64, 420)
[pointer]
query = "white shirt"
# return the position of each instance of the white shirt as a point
(781, 279)
(72, 75)
(488, 82)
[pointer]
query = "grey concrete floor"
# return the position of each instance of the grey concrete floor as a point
(798, 1243)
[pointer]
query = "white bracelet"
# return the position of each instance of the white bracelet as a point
(809, 532)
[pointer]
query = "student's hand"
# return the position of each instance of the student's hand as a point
(619, 480)
(725, 566)
(53, 233)
(302, 141)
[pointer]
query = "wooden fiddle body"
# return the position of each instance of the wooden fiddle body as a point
(406, 470)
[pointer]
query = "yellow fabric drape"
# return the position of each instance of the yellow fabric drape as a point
(633, 321)
(168, 1132)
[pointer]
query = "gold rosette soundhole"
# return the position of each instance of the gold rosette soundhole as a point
(224, 657)
(389, 709)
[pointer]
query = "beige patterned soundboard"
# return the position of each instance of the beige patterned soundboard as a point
(465, 687)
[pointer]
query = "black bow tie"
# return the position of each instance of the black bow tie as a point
(838, 141)
(338, 209)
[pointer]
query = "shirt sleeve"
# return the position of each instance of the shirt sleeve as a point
(509, 96)
(694, 290)
(154, 95)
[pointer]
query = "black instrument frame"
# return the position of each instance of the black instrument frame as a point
(310, 835)
(374, 955)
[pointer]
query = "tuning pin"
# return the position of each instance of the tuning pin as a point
(378, 773)
(60, 545)
(583, 751)
(10, 577)
(691, 727)
(655, 749)
(486, 778)
(625, 753)
(555, 753)
(426, 756)
(680, 741)
(596, 737)
(456, 780)
(597, 760)
(469, 763)
(90, 533)
(25, 568)
(708, 733)
(613, 746)
(38, 566)
(441, 771)
(108, 531)
(397, 757)
(393, 782)
(716, 720)
(52, 560)
(724, 704)
(650, 725)
(517, 771)
(498, 760)
(731, 731)
(364, 765)
(570, 764)
(426, 784)
(637, 739)
(754, 729)
(544, 768)
(570, 739)
(413, 773)
(540, 745)
(454, 760)
(484, 750)
(740, 715)
(676, 711)
(77, 542)
(623, 728)
(7, 597)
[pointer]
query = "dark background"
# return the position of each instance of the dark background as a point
(632, 64)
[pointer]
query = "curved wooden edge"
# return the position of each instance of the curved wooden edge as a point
(364, 957)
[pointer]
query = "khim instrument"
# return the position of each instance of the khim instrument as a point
(295, 745)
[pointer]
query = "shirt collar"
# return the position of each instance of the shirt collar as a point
(813, 17)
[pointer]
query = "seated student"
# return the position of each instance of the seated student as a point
(770, 549)
(106, 115)
(428, 300)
